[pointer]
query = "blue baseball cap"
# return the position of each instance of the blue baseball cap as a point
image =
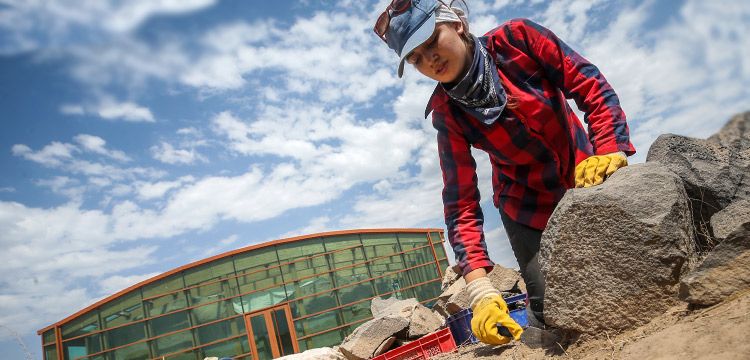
(411, 28)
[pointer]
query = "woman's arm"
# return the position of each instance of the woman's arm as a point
(463, 215)
(579, 80)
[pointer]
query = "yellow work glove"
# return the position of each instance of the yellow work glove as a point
(595, 169)
(490, 311)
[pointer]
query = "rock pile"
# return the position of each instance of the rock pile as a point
(675, 228)
(455, 297)
(397, 322)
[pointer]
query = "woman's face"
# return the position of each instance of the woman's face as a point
(444, 56)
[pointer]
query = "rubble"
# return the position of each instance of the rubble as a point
(422, 320)
(612, 248)
(373, 338)
(455, 297)
(324, 353)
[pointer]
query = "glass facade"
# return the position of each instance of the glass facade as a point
(261, 302)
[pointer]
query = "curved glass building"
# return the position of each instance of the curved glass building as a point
(259, 302)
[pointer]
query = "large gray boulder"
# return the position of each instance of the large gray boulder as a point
(373, 337)
(613, 254)
(730, 219)
(725, 271)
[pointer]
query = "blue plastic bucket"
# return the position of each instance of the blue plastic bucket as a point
(460, 322)
(460, 325)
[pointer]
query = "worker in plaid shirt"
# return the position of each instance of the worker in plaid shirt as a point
(505, 93)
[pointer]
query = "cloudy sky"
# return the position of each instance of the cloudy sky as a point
(141, 135)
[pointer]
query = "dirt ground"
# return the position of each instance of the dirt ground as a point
(718, 332)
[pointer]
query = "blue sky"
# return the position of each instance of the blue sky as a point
(142, 135)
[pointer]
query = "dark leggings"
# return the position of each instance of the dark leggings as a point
(525, 243)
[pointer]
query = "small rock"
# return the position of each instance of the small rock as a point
(725, 270)
(730, 219)
(324, 353)
(455, 297)
(368, 339)
(391, 306)
(422, 320)
(452, 274)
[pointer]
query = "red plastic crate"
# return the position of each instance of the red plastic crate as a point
(424, 348)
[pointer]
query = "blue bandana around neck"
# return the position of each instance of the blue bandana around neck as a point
(480, 92)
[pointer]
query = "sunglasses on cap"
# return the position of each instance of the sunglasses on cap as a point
(394, 8)
(397, 7)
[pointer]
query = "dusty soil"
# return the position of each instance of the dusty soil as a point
(721, 331)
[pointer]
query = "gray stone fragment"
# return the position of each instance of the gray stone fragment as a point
(725, 270)
(422, 320)
(455, 297)
(324, 353)
(452, 274)
(368, 339)
(613, 254)
(391, 306)
(730, 219)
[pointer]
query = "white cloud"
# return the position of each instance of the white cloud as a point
(315, 52)
(63, 185)
(72, 109)
(126, 111)
(109, 109)
(8, 189)
(228, 240)
(51, 155)
(156, 190)
(132, 13)
(66, 157)
(31, 25)
(683, 78)
(96, 145)
(315, 225)
(220, 246)
(167, 154)
(50, 252)
(324, 141)
(115, 283)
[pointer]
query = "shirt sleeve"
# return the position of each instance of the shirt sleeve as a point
(463, 214)
(581, 81)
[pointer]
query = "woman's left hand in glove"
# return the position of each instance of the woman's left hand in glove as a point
(595, 169)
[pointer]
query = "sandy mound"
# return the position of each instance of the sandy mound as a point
(721, 331)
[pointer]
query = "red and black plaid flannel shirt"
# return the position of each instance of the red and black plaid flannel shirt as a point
(535, 144)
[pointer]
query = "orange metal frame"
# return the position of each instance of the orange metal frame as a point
(262, 289)
(226, 255)
(57, 326)
(272, 335)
